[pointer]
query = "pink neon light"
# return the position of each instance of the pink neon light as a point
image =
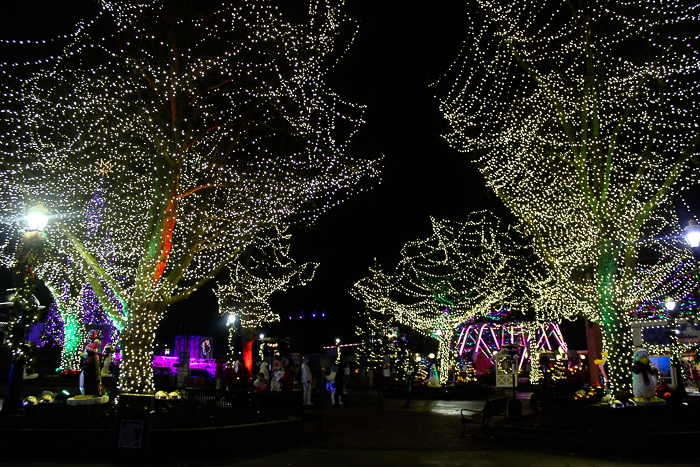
(547, 345)
(542, 337)
(478, 342)
(466, 333)
(495, 339)
(560, 338)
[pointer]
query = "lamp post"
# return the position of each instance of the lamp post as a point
(515, 407)
(27, 256)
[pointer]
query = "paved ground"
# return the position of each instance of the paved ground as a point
(428, 433)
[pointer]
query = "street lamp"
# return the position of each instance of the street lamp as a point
(692, 234)
(37, 218)
(670, 304)
(22, 274)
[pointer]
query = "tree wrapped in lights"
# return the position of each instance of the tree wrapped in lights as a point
(261, 270)
(214, 122)
(380, 337)
(75, 304)
(462, 272)
(583, 118)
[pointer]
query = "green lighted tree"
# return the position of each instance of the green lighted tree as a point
(582, 116)
(209, 120)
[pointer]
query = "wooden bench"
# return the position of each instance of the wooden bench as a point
(492, 408)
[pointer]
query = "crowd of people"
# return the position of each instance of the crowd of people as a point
(237, 376)
(281, 376)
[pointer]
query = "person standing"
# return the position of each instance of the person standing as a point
(242, 376)
(331, 379)
(378, 384)
(264, 370)
(408, 387)
(219, 374)
(306, 381)
(340, 398)
(287, 379)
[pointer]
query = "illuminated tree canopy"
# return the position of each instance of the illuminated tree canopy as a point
(464, 271)
(261, 270)
(583, 118)
(208, 121)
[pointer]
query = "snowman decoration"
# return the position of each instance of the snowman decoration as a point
(434, 380)
(645, 376)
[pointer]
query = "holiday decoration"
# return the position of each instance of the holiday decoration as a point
(487, 338)
(463, 272)
(77, 304)
(581, 116)
(207, 122)
(382, 338)
(261, 270)
(645, 376)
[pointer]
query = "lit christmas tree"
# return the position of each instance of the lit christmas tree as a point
(262, 269)
(469, 373)
(464, 271)
(559, 370)
(582, 117)
(215, 123)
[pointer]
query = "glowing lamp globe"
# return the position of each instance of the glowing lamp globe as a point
(37, 218)
(670, 304)
(692, 234)
(231, 319)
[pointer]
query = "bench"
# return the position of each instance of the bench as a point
(492, 408)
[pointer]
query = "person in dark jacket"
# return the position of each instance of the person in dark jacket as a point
(242, 376)
(287, 380)
(379, 386)
(339, 384)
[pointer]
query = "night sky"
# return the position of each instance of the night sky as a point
(397, 52)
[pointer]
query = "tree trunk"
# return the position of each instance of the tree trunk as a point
(136, 367)
(247, 339)
(617, 332)
(74, 338)
(536, 375)
(443, 357)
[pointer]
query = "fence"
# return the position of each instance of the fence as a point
(283, 403)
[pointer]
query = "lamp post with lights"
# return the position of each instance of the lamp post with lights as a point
(23, 304)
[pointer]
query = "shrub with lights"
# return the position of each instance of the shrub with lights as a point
(583, 117)
(213, 122)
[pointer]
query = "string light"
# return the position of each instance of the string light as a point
(214, 126)
(262, 270)
(583, 116)
(464, 271)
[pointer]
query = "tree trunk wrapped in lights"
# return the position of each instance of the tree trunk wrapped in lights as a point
(581, 115)
(261, 270)
(464, 271)
(206, 120)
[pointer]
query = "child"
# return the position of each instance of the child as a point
(260, 384)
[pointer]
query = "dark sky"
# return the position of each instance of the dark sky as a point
(398, 50)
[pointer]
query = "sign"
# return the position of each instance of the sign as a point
(131, 434)
(688, 334)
